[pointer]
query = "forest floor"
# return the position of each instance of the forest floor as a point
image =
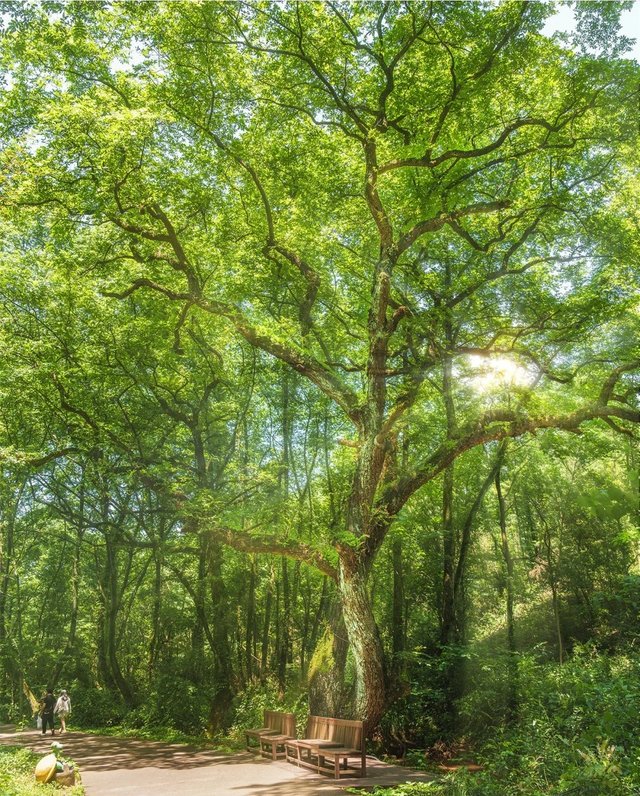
(112, 766)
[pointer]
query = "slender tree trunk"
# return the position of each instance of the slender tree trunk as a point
(69, 653)
(447, 619)
(8, 659)
(397, 617)
(154, 646)
(553, 583)
(554, 595)
(220, 714)
(512, 699)
(266, 631)
(104, 670)
(250, 621)
(112, 614)
(108, 658)
(196, 662)
(283, 648)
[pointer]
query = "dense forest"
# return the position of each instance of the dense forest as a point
(320, 372)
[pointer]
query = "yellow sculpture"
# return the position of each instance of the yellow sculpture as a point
(46, 768)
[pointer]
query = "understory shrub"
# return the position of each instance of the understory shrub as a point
(250, 704)
(575, 731)
(95, 707)
(172, 702)
(16, 775)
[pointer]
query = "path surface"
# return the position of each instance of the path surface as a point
(127, 767)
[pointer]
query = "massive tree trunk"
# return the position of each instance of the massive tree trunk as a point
(365, 643)
(329, 695)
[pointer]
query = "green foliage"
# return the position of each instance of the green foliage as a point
(442, 786)
(422, 716)
(576, 729)
(197, 378)
(16, 775)
(96, 707)
(172, 703)
(250, 704)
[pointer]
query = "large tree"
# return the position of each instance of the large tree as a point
(371, 193)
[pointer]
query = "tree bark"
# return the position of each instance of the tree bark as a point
(284, 616)
(266, 631)
(512, 698)
(397, 616)
(365, 643)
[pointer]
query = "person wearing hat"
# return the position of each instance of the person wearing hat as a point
(48, 702)
(63, 709)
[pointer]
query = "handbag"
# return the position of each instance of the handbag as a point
(39, 722)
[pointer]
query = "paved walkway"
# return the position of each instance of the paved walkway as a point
(127, 767)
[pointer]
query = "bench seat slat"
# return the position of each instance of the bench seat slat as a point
(340, 752)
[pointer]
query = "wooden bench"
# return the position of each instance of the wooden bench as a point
(328, 746)
(278, 727)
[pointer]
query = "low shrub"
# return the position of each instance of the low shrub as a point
(574, 734)
(250, 704)
(17, 767)
(95, 707)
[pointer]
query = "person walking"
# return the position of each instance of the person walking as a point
(63, 709)
(48, 703)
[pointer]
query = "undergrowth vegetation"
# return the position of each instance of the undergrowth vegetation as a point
(17, 778)
(575, 732)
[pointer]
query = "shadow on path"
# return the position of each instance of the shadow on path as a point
(129, 767)
(104, 753)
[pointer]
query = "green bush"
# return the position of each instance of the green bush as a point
(250, 704)
(173, 703)
(95, 707)
(574, 733)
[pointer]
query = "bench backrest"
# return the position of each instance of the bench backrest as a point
(343, 731)
(284, 723)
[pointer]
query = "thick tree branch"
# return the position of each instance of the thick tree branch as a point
(464, 154)
(298, 551)
(323, 378)
(445, 217)
(496, 425)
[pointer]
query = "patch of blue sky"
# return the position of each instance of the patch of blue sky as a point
(564, 21)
